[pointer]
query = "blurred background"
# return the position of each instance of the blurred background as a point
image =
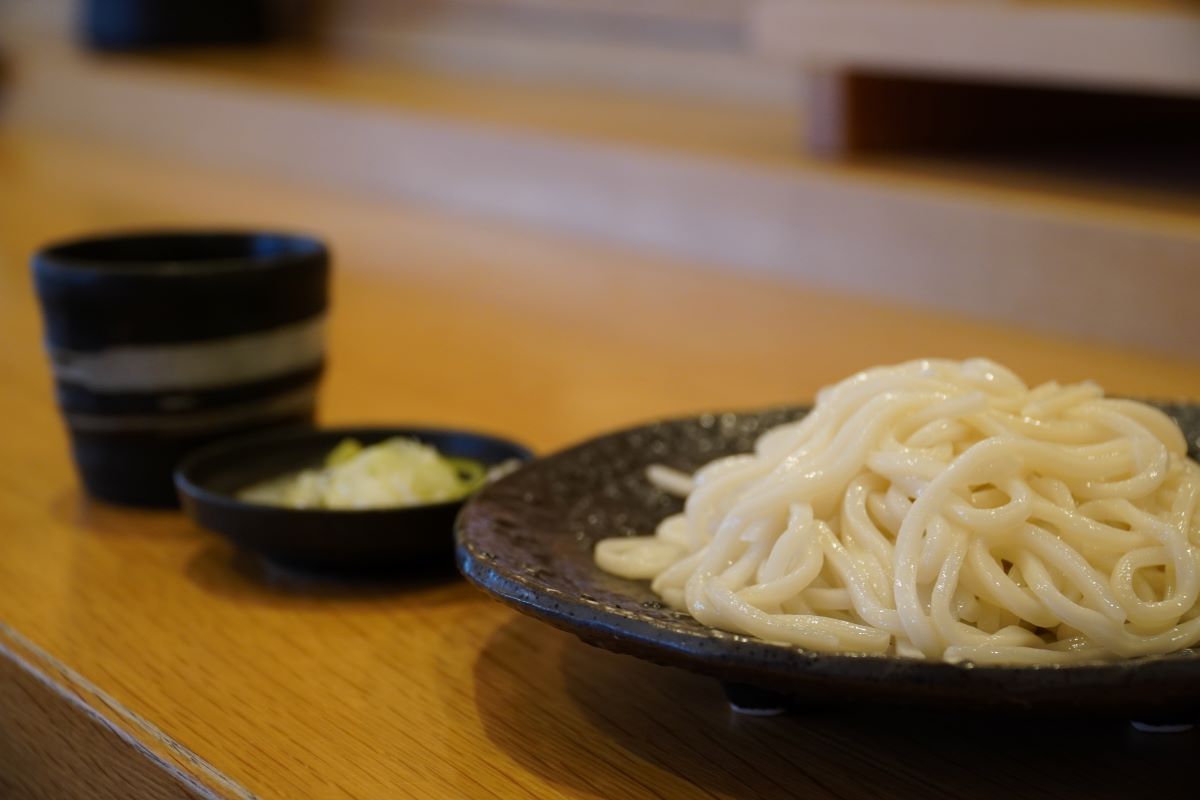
(1032, 162)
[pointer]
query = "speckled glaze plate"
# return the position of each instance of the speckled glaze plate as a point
(527, 540)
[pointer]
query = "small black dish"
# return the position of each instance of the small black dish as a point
(317, 540)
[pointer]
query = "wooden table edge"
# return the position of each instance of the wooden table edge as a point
(55, 717)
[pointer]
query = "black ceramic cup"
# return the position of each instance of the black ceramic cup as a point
(163, 342)
(149, 24)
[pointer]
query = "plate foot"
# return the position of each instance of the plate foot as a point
(1162, 726)
(754, 702)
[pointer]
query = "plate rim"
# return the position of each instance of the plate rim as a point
(597, 623)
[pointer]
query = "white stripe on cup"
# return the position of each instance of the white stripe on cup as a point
(209, 364)
(199, 421)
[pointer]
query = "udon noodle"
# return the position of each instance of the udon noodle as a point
(941, 510)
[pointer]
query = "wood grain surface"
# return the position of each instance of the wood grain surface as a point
(204, 666)
(54, 745)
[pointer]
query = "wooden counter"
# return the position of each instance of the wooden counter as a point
(140, 657)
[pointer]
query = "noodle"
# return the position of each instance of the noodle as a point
(941, 510)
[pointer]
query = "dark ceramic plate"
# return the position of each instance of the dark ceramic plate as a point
(528, 539)
(376, 540)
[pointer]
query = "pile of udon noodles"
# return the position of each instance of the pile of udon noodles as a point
(942, 510)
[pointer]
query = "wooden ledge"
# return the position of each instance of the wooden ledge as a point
(711, 184)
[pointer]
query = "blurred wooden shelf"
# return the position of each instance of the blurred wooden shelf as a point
(1144, 45)
(670, 48)
(1095, 247)
(890, 75)
(673, 48)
